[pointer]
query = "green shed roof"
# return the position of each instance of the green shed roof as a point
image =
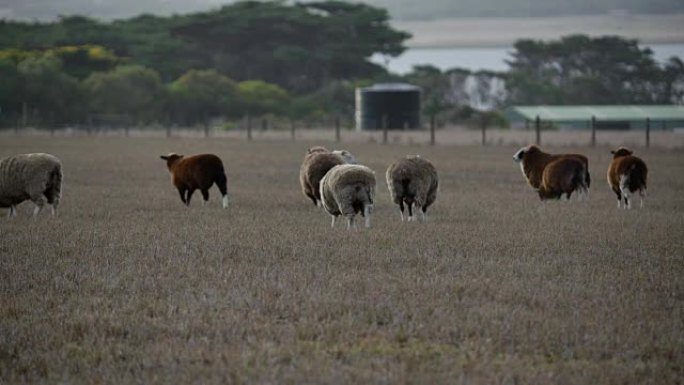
(604, 113)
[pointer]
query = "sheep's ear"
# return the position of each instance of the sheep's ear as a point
(612, 152)
(164, 157)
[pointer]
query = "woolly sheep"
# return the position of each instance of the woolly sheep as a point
(533, 161)
(626, 175)
(412, 180)
(317, 162)
(562, 176)
(197, 172)
(348, 189)
(37, 177)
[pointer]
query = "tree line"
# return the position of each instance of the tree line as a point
(295, 61)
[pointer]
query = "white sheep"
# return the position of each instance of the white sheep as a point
(412, 180)
(348, 189)
(37, 177)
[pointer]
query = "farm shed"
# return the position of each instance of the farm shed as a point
(605, 117)
(390, 105)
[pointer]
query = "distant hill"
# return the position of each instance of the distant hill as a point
(399, 9)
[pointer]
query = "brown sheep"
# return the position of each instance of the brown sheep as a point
(626, 175)
(412, 180)
(562, 176)
(533, 161)
(317, 162)
(197, 172)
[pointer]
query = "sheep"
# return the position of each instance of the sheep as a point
(533, 161)
(348, 189)
(317, 162)
(37, 177)
(412, 180)
(562, 176)
(626, 175)
(197, 172)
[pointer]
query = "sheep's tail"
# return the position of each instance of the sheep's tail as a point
(588, 179)
(54, 187)
(579, 179)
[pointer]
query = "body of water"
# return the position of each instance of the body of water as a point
(483, 58)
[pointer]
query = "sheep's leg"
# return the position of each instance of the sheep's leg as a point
(205, 196)
(642, 197)
(410, 210)
(401, 209)
(13, 211)
(222, 185)
(189, 196)
(332, 223)
(39, 202)
(350, 222)
(181, 192)
(423, 213)
(367, 212)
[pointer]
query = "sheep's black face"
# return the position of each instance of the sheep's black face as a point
(520, 155)
(622, 151)
(171, 158)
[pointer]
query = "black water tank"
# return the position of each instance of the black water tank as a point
(398, 103)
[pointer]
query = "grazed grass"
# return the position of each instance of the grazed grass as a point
(127, 285)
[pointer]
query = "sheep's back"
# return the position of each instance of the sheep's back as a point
(412, 176)
(199, 171)
(20, 173)
(338, 187)
(559, 174)
(628, 165)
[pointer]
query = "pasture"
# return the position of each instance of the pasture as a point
(127, 285)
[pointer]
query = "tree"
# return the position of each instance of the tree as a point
(200, 95)
(133, 91)
(579, 69)
(46, 93)
(260, 98)
(298, 47)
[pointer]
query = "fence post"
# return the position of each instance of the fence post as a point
(292, 129)
(249, 127)
(593, 131)
(648, 132)
(483, 123)
(385, 123)
(537, 129)
(432, 130)
(337, 128)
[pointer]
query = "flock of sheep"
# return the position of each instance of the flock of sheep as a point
(554, 175)
(335, 181)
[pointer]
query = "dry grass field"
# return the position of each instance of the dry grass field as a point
(126, 285)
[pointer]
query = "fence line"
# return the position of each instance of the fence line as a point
(431, 136)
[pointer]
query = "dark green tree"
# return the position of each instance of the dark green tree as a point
(130, 91)
(201, 95)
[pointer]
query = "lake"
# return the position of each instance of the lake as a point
(483, 58)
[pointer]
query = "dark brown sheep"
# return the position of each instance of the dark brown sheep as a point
(627, 174)
(562, 176)
(533, 161)
(197, 172)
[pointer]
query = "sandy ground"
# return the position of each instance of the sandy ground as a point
(502, 32)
